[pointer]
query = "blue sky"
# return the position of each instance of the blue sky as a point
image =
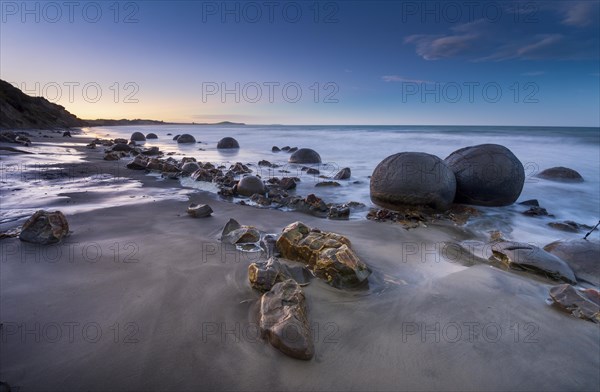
(353, 62)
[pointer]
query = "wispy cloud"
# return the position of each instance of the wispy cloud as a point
(580, 13)
(396, 78)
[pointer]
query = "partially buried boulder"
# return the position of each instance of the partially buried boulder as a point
(562, 174)
(284, 320)
(533, 259)
(304, 155)
(45, 227)
(227, 142)
(578, 303)
(186, 138)
(234, 233)
(582, 256)
(486, 175)
(151, 136)
(250, 185)
(329, 255)
(343, 174)
(137, 137)
(413, 179)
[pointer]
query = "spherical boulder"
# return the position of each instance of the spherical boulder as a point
(250, 185)
(227, 142)
(413, 179)
(151, 136)
(486, 175)
(305, 155)
(190, 167)
(186, 138)
(137, 137)
(560, 173)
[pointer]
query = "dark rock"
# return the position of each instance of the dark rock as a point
(343, 174)
(284, 320)
(327, 183)
(152, 151)
(487, 175)
(581, 255)
(286, 148)
(263, 275)
(339, 212)
(264, 163)
(186, 138)
(410, 179)
(311, 170)
(575, 302)
(199, 210)
(234, 233)
(139, 163)
(532, 202)
(137, 137)
(261, 200)
(329, 255)
(275, 149)
(176, 137)
(293, 149)
(250, 185)
(202, 175)
(151, 136)
(227, 142)
(45, 228)
(533, 259)
(122, 147)
(536, 211)
(305, 155)
(287, 183)
(112, 156)
(562, 174)
(190, 167)
(569, 226)
(120, 140)
(240, 168)
(66, 134)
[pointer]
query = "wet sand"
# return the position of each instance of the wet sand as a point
(143, 297)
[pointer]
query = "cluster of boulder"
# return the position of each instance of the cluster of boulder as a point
(304, 252)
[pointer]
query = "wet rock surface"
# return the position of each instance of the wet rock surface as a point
(328, 255)
(263, 275)
(343, 174)
(533, 259)
(583, 256)
(45, 228)
(576, 302)
(284, 320)
(234, 233)
(199, 210)
(561, 174)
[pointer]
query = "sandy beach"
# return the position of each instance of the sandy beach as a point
(140, 296)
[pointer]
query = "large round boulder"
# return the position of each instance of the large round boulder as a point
(151, 136)
(227, 142)
(250, 185)
(486, 175)
(560, 173)
(413, 179)
(137, 137)
(186, 138)
(305, 155)
(190, 167)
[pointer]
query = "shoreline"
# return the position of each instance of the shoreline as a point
(176, 310)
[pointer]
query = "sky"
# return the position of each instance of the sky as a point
(306, 62)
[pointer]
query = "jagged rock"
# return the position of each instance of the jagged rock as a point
(563, 174)
(139, 163)
(202, 175)
(287, 183)
(263, 275)
(329, 255)
(234, 233)
(45, 227)
(575, 302)
(186, 138)
(486, 174)
(343, 174)
(581, 255)
(199, 210)
(121, 147)
(533, 259)
(339, 212)
(284, 320)
(536, 211)
(152, 151)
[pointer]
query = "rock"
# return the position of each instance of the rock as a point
(284, 320)
(569, 226)
(189, 167)
(533, 259)
(45, 227)
(275, 149)
(536, 211)
(199, 210)
(137, 137)
(327, 183)
(532, 202)
(186, 138)
(120, 140)
(122, 147)
(486, 175)
(575, 302)
(202, 175)
(329, 255)
(339, 212)
(151, 136)
(66, 134)
(112, 156)
(139, 163)
(304, 155)
(176, 137)
(285, 148)
(581, 255)
(152, 151)
(562, 174)
(240, 168)
(250, 185)
(313, 171)
(412, 179)
(227, 142)
(91, 146)
(293, 149)
(263, 275)
(234, 233)
(287, 183)
(343, 174)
